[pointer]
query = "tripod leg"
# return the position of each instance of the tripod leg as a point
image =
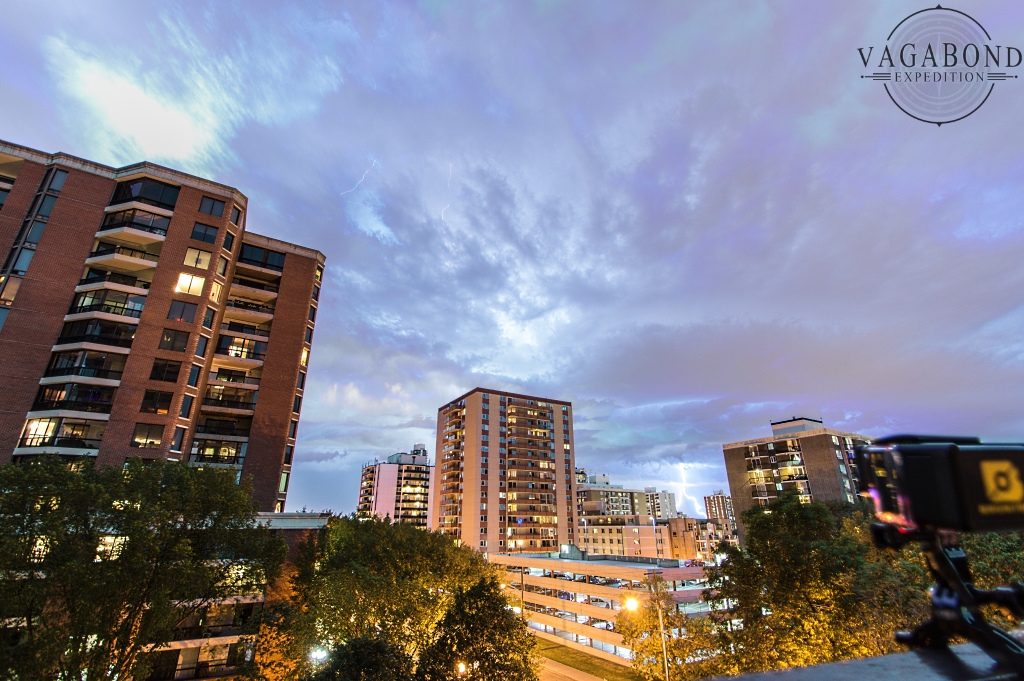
(931, 633)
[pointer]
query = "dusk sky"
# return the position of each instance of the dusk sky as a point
(688, 218)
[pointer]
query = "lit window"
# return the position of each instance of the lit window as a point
(190, 284)
(215, 291)
(197, 258)
(305, 357)
(222, 265)
(147, 435)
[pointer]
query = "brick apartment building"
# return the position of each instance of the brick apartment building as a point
(504, 479)
(138, 317)
(801, 456)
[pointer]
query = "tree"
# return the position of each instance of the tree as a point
(98, 564)
(371, 578)
(365, 659)
(479, 639)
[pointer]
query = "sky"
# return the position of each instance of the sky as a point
(689, 219)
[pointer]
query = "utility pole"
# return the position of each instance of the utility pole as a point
(661, 620)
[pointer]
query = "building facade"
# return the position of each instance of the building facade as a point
(662, 505)
(576, 602)
(397, 488)
(801, 456)
(599, 497)
(144, 320)
(719, 505)
(623, 535)
(504, 476)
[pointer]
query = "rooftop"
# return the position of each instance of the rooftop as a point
(792, 436)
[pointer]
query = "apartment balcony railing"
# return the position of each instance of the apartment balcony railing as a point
(200, 670)
(71, 441)
(91, 372)
(135, 219)
(210, 458)
(124, 250)
(244, 328)
(111, 308)
(73, 405)
(115, 278)
(188, 633)
(222, 430)
(228, 404)
(246, 305)
(116, 341)
(246, 380)
(260, 263)
(260, 285)
(241, 353)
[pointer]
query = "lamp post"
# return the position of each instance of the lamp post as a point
(661, 620)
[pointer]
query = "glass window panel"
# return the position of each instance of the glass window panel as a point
(57, 183)
(10, 290)
(22, 261)
(47, 206)
(215, 292)
(190, 284)
(197, 258)
(36, 232)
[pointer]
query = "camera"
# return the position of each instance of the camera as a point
(950, 483)
(926, 489)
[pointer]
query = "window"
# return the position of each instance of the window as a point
(190, 284)
(309, 334)
(35, 233)
(179, 436)
(165, 370)
(297, 404)
(3, 196)
(46, 207)
(215, 291)
(236, 215)
(319, 273)
(316, 293)
(197, 258)
(193, 375)
(222, 264)
(186, 406)
(145, 190)
(205, 233)
(57, 183)
(21, 262)
(182, 312)
(312, 313)
(302, 380)
(229, 242)
(211, 207)
(156, 402)
(262, 257)
(293, 428)
(147, 435)
(283, 487)
(175, 341)
(201, 346)
(208, 317)
(304, 360)
(288, 451)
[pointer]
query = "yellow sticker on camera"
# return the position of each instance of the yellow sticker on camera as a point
(1002, 481)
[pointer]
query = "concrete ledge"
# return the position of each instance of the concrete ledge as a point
(586, 650)
(961, 663)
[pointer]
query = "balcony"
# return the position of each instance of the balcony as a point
(98, 338)
(109, 307)
(229, 431)
(234, 379)
(89, 372)
(122, 257)
(72, 405)
(115, 278)
(229, 404)
(248, 311)
(261, 266)
(257, 290)
(67, 441)
(248, 329)
(213, 460)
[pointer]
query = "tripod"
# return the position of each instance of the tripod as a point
(956, 601)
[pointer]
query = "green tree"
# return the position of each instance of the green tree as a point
(479, 639)
(98, 563)
(372, 578)
(365, 659)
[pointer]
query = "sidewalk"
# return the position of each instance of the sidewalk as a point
(556, 671)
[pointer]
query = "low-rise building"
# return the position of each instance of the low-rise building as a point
(576, 602)
(623, 535)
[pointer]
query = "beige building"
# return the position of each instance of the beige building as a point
(599, 497)
(662, 505)
(504, 478)
(397, 488)
(719, 505)
(801, 456)
(623, 535)
(576, 602)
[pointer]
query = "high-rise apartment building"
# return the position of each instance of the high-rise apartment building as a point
(397, 488)
(138, 317)
(801, 456)
(599, 497)
(504, 479)
(662, 505)
(719, 505)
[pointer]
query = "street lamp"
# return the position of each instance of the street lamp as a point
(318, 655)
(661, 620)
(461, 668)
(632, 604)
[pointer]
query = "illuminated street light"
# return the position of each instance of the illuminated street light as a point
(462, 668)
(318, 655)
(632, 604)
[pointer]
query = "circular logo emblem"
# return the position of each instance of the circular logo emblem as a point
(939, 65)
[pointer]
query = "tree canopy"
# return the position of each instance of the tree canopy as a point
(99, 564)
